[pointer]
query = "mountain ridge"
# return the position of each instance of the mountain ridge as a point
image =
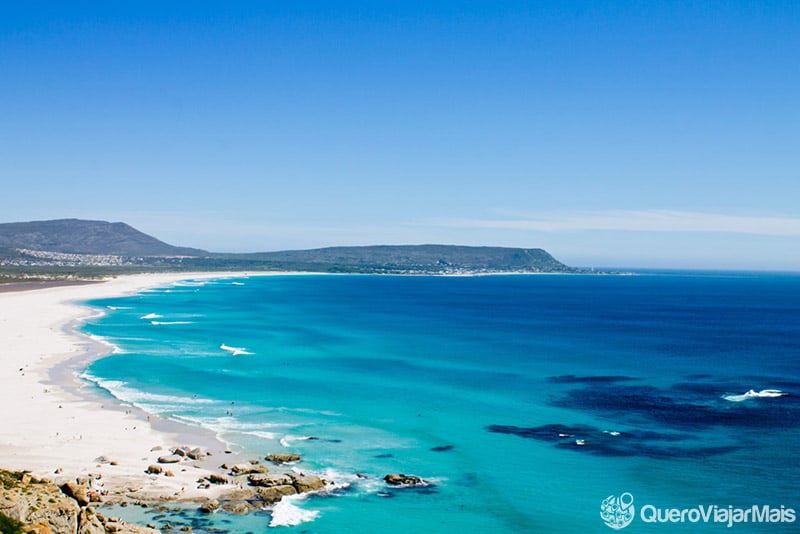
(80, 236)
(78, 242)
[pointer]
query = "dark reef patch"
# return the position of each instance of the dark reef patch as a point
(686, 406)
(597, 442)
(685, 415)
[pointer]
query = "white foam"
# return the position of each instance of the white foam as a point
(151, 316)
(286, 441)
(191, 283)
(235, 351)
(753, 394)
(237, 283)
(157, 323)
(286, 514)
(99, 339)
(141, 399)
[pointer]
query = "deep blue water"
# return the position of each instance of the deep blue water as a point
(526, 400)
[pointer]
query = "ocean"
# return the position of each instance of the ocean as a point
(546, 403)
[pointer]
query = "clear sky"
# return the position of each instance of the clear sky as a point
(621, 133)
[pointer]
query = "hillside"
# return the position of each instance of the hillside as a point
(422, 258)
(80, 247)
(75, 236)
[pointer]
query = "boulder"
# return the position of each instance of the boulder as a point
(273, 494)
(195, 454)
(247, 469)
(238, 507)
(304, 483)
(244, 494)
(268, 480)
(76, 491)
(399, 479)
(154, 469)
(171, 459)
(209, 507)
(216, 478)
(283, 458)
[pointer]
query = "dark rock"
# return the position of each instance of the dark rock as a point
(399, 479)
(283, 458)
(238, 507)
(274, 494)
(304, 483)
(195, 454)
(244, 494)
(154, 469)
(247, 469)
(209, 507)
(171, 459)
(77, 492)
(216, 478)
(269, 480)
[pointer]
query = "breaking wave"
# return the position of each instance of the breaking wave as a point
(753, 394)
(286, 514)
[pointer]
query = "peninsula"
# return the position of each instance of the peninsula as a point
(81, 248)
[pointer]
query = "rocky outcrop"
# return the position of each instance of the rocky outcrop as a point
(216, 478)
(399, 479)
(266, 489)
(273, 494)
(283, 458)
(38, 504)
(210, 507)
(91, 522)
(305, 483)
(269, 480)
(77, 492)
(45, 508)
(247, 469)
(193, 453)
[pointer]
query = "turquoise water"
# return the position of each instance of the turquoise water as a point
(524, 400)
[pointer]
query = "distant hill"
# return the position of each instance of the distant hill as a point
(100, 246)
(423, 258)
(76, 236)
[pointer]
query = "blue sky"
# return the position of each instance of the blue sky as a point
(641, 134)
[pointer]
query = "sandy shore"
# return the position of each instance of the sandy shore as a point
(56, 427)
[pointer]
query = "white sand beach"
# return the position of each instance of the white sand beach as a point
(56, 427)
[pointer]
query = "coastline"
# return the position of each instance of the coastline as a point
(58, 428)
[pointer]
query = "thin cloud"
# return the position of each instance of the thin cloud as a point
(637, 221)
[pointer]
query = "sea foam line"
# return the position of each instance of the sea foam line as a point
(753, 394)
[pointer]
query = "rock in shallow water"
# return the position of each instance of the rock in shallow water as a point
(283, 458)
(399, 479)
